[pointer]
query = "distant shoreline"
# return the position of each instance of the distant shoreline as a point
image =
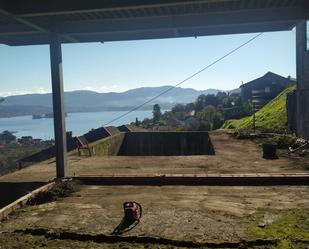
(95, 111)
(79, 123)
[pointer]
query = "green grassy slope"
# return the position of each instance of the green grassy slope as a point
(272, 117)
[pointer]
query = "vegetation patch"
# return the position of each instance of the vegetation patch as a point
(286, 226)
(9, 157)
(61, 189)
(272, 117)
(207, 113)
(283, 142)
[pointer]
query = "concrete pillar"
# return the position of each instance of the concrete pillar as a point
(58, 106)
(302, 89)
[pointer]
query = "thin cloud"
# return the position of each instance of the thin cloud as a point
(102, 88)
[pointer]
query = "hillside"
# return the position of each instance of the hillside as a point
(90, 101)
(272, 117)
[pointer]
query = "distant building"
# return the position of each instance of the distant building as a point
(25, 140)
(267, 87)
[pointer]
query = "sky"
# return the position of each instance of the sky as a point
(120, 66)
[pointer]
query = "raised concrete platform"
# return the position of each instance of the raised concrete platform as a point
(191, 216)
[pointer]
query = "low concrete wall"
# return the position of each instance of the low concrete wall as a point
(96, 134)
(72, 144)
(47, 153)
(22, 192)
(166, 144)
(11, 191)
(108, 146)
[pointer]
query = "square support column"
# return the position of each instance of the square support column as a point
(302, 89)
(58, 106)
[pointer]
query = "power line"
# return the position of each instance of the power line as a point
(186, 79)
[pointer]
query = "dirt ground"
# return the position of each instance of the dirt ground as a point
(232, 156)
(175, 216)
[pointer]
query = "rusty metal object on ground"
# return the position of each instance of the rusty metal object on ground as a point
(132, 215)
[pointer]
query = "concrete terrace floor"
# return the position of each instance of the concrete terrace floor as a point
(232, 156)
(173, 216)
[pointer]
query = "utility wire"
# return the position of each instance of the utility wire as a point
(186, 79)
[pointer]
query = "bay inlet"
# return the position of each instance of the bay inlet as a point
(78, 123)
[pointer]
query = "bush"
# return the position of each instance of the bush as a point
(59, 190)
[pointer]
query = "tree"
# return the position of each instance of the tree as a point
(221, 96)
(189, 107)
(137, 122)
(218, 121)
(205, 100)
(178, 108)
(147, 123)
(210, 117)
(156, 113)
(247, 108)
(211, 99)
(200, 103)
(7, 137)
(205, 126)
(179, 111)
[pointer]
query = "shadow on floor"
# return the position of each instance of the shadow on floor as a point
(11, 191)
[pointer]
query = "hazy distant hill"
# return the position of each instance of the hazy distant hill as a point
(87, 101)
(237, 90)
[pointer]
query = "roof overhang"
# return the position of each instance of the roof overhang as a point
(34, 21)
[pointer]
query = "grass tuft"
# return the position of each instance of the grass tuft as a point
(287, 227)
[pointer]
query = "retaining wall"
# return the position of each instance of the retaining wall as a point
(166, 144)
(108, 146)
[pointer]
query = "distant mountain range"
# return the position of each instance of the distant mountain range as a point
(90, 101)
